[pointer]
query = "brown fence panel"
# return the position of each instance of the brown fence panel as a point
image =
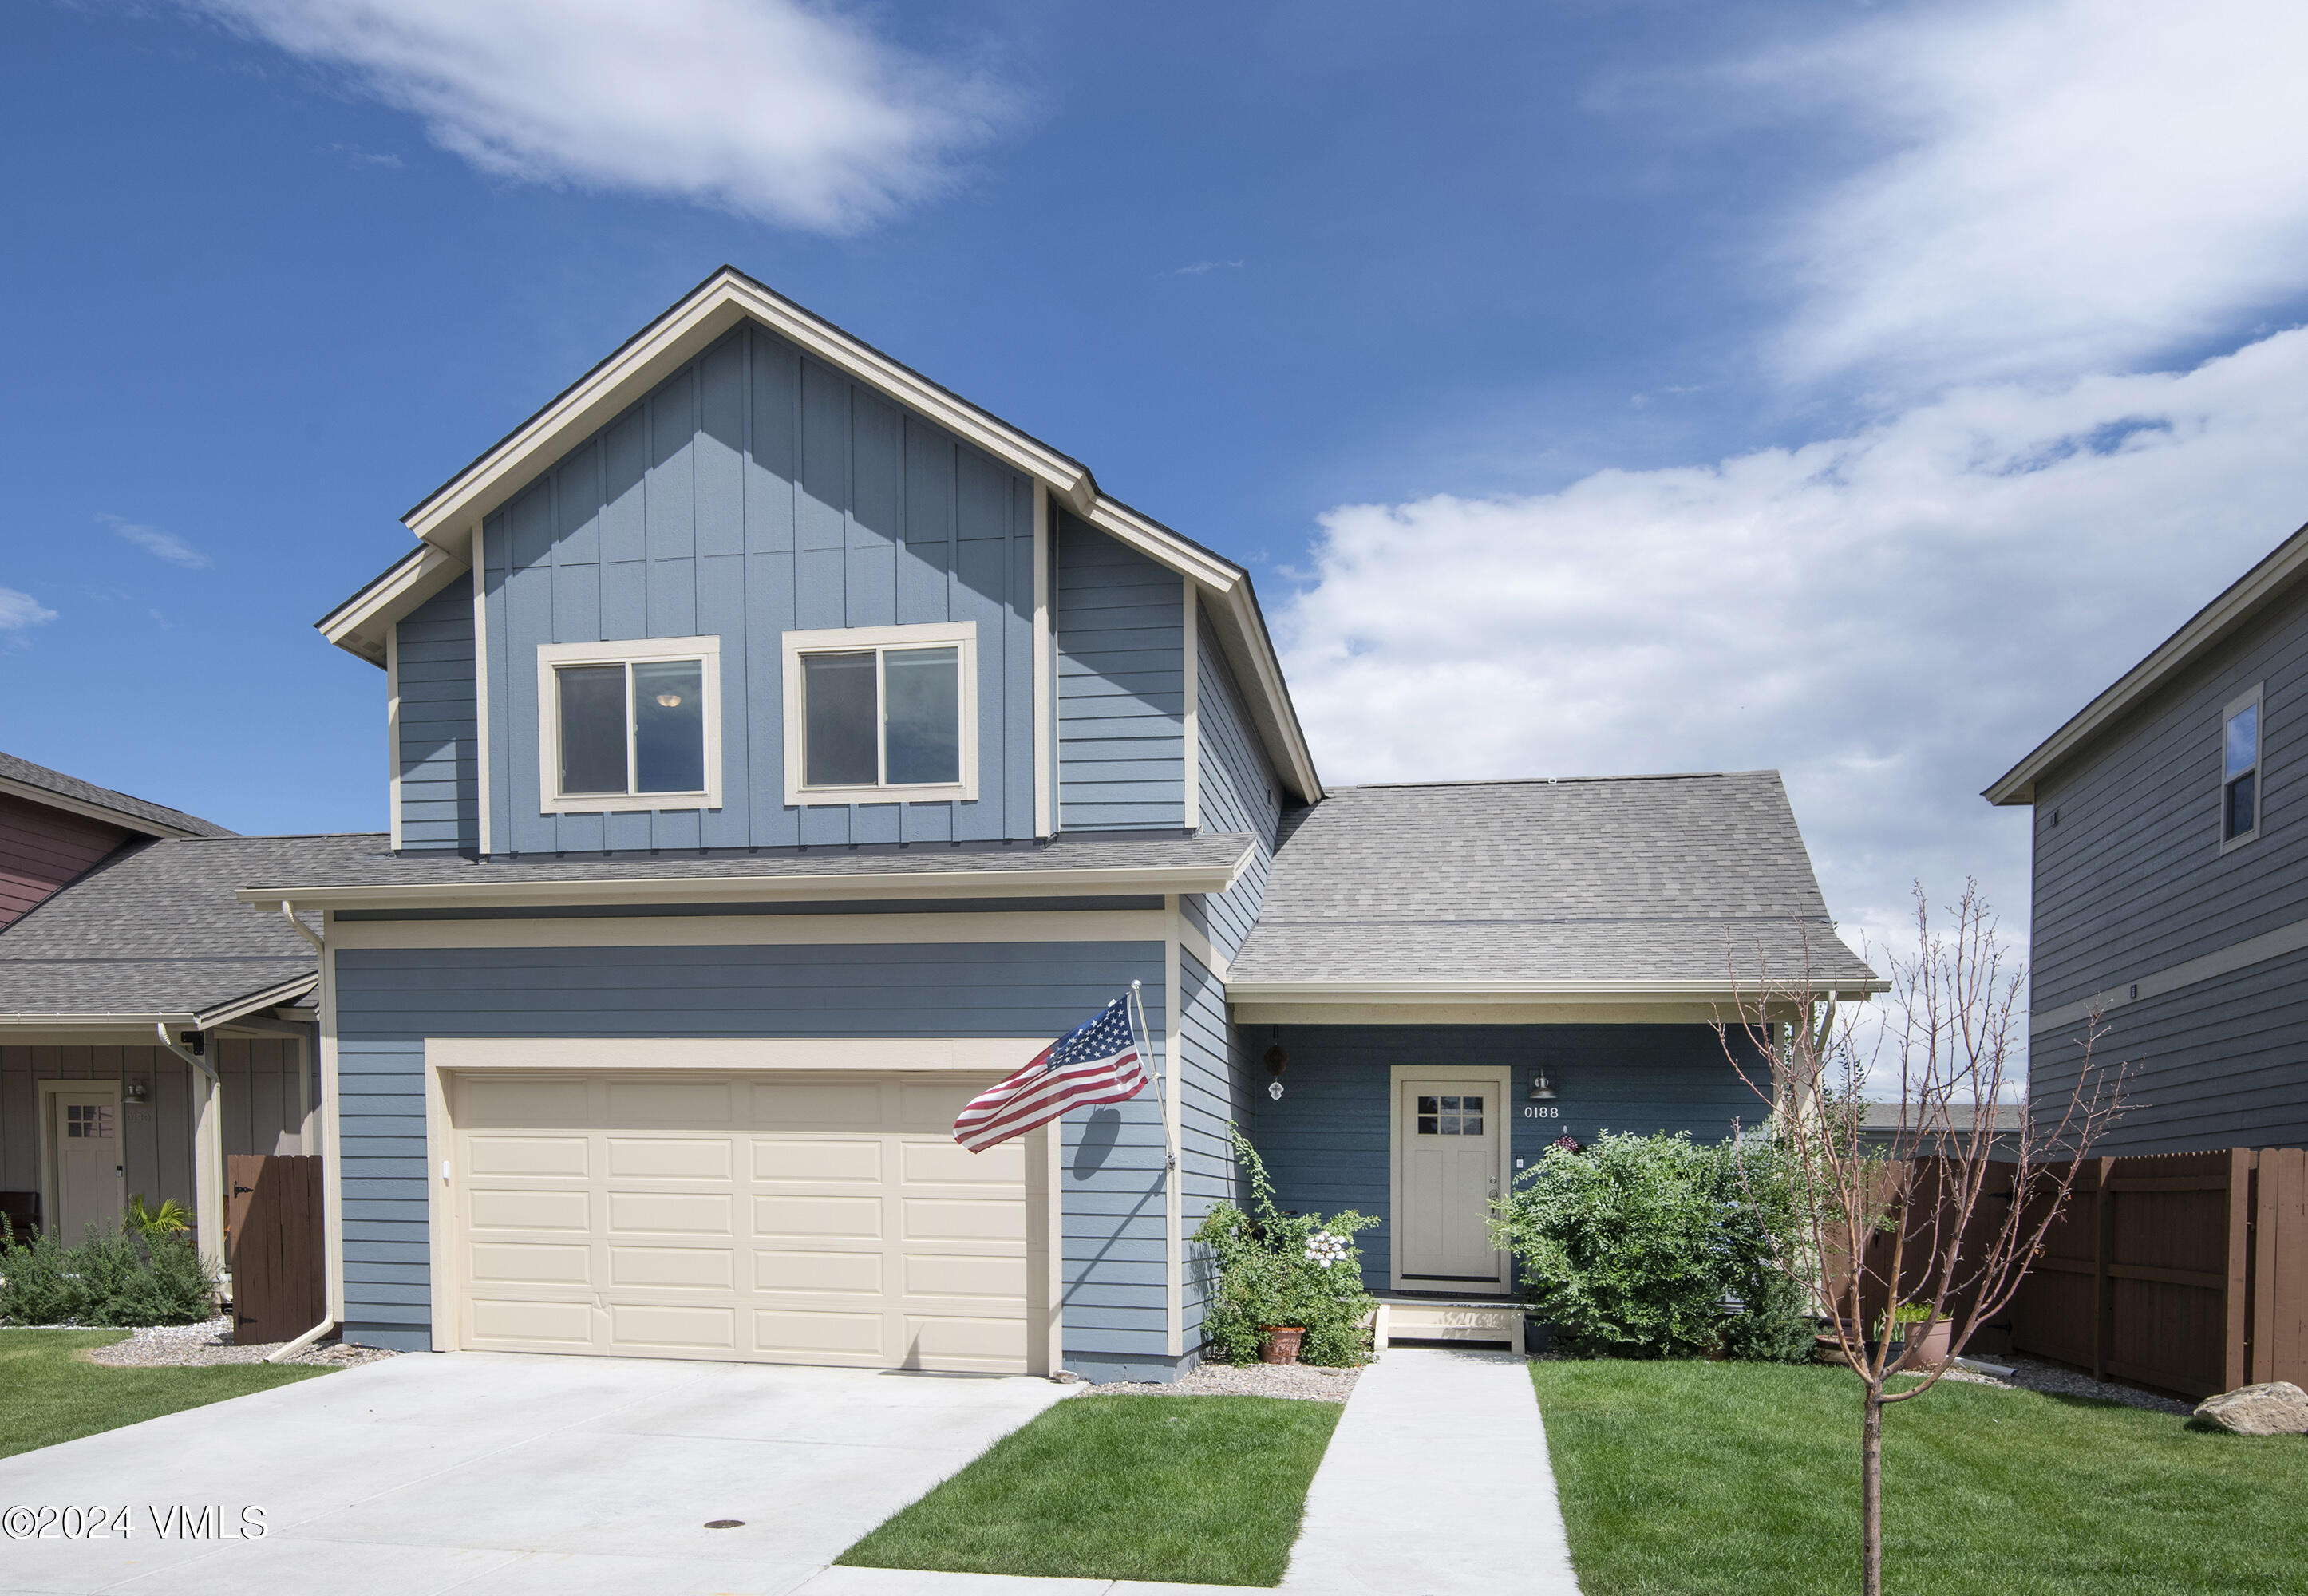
(2174, 1286)
(280, 1284)
(1920, 1249)
(2279, 1268)
(2053, 1313)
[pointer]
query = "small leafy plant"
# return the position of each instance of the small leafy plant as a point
(1277, 1269)
(171, 1218)
(120, 1279)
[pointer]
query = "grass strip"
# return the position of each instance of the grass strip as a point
(49, 1393)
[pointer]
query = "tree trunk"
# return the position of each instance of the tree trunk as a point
(1870, 1490)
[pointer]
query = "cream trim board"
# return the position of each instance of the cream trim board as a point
(2253, 699)
(45, 1125)
(482, 827)
(1397, 1076)
(1197, 944)
(2226, 960)
(1523, 991)
(762, 931)
(552, 657)
(720, 1055)
(1327, 1012)
(360, 625)
(392, 732)
(958, 635)
(1045, 664)
(1193, 716)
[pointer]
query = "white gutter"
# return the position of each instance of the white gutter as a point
(208, 1153)
(329, 1209)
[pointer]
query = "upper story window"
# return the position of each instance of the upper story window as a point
(2240, 784)
(630, 725)
(882, 715)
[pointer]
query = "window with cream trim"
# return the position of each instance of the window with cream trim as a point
(882, 715)
(629, 724)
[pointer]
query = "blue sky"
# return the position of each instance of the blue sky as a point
(1852, 390)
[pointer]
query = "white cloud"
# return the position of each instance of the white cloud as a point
(778, 109)
(2073, 184)
(1892, 617)
(20, 612)
(160, 544)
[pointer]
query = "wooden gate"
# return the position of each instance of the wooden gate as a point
(273, 1242)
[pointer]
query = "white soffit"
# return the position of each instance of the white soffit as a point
(359, 623)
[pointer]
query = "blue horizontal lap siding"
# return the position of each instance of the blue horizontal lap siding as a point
(754, 492)
(438, 759)
(1326, 1142)
(389, 1000)
(1239, 792)
(1207, 1103)
(1121, 685)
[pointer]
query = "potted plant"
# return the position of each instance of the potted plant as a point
(1288, 1286)
(1928, 1341)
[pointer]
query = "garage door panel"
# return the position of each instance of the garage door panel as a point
(662, 1157)
(672, 1213)
(683, 1268)
(820, 1159)
(821, 1273)
(514, 1209)
(812, 1221)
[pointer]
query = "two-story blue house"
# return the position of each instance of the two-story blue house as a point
(783, 749)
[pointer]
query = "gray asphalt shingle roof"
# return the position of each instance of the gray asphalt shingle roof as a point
(88, 792)
(156, 930)
(1640, 878)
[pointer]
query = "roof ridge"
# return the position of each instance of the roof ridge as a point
(1558, 780)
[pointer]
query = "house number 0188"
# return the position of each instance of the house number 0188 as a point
(1541, 1111)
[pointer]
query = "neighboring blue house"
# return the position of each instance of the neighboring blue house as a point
(784, 749)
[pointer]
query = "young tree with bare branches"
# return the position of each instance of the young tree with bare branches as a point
(1947, 1245)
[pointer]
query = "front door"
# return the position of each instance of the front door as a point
(86, 1131)
(1449, 1135)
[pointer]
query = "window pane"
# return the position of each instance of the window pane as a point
(921, 693)
(1427, 1105)
(669, 726)
(2244, 739)
(2240, 805)
(1473, 1105)
(838, 696)
(1472, 1125)
(592, 728)
(1427, 1125)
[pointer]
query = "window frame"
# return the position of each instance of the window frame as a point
(2253, 699)
(958, 635)
(551, 657)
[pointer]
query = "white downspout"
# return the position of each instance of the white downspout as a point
(208, 1152)
(289, 1348)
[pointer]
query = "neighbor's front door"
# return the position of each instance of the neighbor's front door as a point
(87, 1133)
(1449, 1149)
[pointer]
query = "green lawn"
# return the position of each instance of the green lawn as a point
(1199, 1489)
(48, 1394)
(1695, 1478)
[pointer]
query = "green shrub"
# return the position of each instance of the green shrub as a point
(121, 1279)
(1277, 1268)
(1629, 1247)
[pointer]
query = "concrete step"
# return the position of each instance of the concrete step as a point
(1496, 1323)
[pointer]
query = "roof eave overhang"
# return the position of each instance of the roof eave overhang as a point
(760, 889)
(2206, 628)
(88, 810)
(207, 1019)
(1504, 993)
(359, 625)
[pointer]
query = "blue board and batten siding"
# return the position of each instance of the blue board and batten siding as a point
(755, 492)
(2132, 880)
(438, 759)
(1122, 687)
(389, 1001)
(1237, 792)
(1326, 1142)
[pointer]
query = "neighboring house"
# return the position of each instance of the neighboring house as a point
(1891, 1129)
(2171, 878)
(132, 986)
(783, 749)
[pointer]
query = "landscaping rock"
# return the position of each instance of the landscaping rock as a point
(2278, 1407)
(182, 1346)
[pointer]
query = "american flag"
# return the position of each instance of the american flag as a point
(1100, 1061)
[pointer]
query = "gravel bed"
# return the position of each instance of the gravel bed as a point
(186, 1346)
(1300, 1381)
(2033, 1373)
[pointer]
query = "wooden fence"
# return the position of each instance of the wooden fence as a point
(2186, 1271)
(272, 1234)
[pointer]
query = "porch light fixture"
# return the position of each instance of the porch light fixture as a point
(1542, 1086)
(1276, 1061)
(134, 1092)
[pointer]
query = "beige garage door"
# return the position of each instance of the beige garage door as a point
(780, 1218)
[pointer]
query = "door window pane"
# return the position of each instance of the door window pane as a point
(839, 719)
(592, 728)
(669, 726)
(922, 694)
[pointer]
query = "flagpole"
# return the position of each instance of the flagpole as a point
(1145, 1029)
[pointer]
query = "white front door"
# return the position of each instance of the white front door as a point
(85, 1128)
(1447, 1140)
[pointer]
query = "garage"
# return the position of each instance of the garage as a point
(782, 1218)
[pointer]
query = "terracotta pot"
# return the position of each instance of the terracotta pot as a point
(1932, 1346)
(1279, 1343)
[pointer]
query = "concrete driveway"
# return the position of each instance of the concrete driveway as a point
(503, 1473)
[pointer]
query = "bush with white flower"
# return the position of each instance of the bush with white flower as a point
(1276, 1269)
